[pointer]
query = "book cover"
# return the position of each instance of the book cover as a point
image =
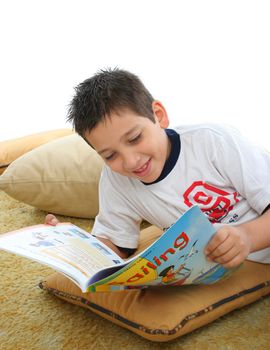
(176, 258)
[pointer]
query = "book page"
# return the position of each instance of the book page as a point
(64, 247)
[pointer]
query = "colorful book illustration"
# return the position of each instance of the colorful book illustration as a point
(176, 258)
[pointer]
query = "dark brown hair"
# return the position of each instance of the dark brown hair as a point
(106, 92)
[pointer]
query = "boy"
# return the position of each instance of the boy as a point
(156, 174)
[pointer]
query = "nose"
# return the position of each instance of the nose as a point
(130, 161)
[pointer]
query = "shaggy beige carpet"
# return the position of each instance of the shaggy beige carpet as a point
(31, 319)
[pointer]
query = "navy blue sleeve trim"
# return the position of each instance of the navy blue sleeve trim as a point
(268, 207)
(128, 251)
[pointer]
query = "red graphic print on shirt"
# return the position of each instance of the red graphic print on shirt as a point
(214, 202)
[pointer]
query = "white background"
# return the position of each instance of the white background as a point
(207, 61)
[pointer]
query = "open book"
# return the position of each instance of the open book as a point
(176, 258)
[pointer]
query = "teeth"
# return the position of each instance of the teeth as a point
(144, 167)
(141, 169)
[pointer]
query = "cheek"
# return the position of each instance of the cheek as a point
(154, 148)
(148, 147)
(115, 165)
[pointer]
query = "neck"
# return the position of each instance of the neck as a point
(169, 145)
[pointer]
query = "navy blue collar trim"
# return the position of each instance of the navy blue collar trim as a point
(174, 139)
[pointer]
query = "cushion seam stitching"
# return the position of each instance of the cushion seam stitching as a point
(136, 325)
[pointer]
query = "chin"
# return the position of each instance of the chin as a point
(149, 179)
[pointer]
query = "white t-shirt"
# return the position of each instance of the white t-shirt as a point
(217, 169)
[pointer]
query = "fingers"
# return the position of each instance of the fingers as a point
(50, 219)
(231, 258)
(232, 262)
(229, 247)
(215, 247)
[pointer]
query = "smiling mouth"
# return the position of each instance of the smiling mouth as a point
(144, 170)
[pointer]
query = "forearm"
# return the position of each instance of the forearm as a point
(258, 232)
(111, 245)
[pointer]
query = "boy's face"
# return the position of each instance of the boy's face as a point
(132, 145)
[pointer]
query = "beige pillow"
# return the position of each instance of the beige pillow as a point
(13, 149)
(60, 177)
(163, 314)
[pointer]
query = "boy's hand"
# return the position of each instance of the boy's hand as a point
(229, 246)
(50, 219)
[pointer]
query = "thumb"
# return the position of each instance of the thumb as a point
(50, 219)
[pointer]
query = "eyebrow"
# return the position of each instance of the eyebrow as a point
(123, 136)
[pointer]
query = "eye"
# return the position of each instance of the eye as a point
(135, 139)
(110, 157)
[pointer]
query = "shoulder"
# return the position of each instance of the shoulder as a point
(108, 176)
(206, 129)
(208, 134)
(209, 140)
(116, 181)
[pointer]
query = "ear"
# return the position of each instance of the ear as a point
(160, 114)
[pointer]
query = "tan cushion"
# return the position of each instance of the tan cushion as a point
(13, 149)
(162, 314)
(60, 177)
